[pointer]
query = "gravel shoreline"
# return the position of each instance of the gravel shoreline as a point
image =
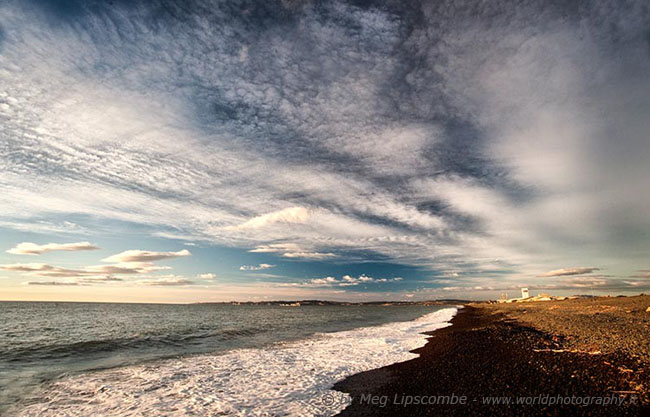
(606, 324)
(491, 354)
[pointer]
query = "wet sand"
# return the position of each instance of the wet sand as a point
(560, 351)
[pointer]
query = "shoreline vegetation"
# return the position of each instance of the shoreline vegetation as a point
(585, 356)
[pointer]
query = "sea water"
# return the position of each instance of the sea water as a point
(81, 359)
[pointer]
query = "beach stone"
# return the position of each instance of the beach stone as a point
(647, 310)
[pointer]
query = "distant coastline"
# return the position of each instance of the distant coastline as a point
(342, 303)
(307, 302)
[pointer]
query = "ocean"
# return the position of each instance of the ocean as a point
(80, 359)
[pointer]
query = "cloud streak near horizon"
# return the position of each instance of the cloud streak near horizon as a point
(486, 139)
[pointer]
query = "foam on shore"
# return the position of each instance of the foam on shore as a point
(285, 379)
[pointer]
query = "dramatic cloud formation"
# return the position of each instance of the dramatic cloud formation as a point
(569, 271)
(28, 248)
(255, 268)
(145, 256)
(488, 139)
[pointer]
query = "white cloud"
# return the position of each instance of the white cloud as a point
(145, 256)
(323, 281)
(291, 250)
(255, 267)
(308, 255)
(276, 247)
(345, 281)
(570, 271)
(291, 215)
(28, 248)
(640, 284)
(207, 275)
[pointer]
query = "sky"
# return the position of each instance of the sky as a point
(167, 151)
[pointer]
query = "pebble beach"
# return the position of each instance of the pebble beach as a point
(571, 357)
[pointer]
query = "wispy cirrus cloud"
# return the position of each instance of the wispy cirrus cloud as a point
(28, 248)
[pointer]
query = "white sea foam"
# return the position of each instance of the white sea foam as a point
(286, 379)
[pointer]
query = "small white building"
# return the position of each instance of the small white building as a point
(524, 296)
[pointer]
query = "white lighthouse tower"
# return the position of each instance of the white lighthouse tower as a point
(524, 293)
